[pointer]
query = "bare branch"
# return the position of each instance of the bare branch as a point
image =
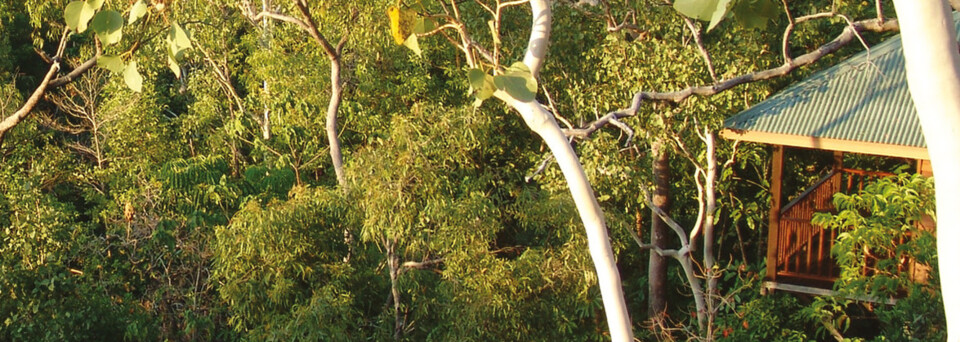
(666, 218)
(733, 155)
(421, 265)
(437, 30)
(553, 107)
(786, 33)
(15, 118)
(850, 33)
(76, 72)
(623, 127)
(485, 7)
(540, 169)
(280, 17)
(703, 50)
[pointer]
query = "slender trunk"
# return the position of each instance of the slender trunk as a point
(659, 232)
(393, 262)
(608, 276)
(543, 124)
(686, 260)
(336, 94)
(265, 44)
(933, 75)
(709, 257)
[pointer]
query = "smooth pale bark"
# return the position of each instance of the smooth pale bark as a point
(608, 276)
(11, 121)
(933, 75)
(542, 122)
(336, 95)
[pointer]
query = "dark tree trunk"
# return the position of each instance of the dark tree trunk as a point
(659, 232)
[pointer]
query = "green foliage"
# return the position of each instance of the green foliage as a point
(286, 258)
(763, 318)
(482, 83)
(131, 76)
(138, 10)
(880, 230)
(518, 82)
(885, 249)
(112, 63)
(193, 226)
(108, 25)
(78, 13)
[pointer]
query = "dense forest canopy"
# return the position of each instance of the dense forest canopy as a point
(429, 171)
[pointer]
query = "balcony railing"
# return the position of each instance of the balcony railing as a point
(803, 250)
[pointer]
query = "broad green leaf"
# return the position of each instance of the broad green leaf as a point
(518, 82)
(424, 25)
(696, 9)
(521, 68)
(476, 77)
(131, 76)
(482, 83)
(77, 14)
(109, 26)
(719, 13)
(95, 4)
(755, 14)
(138, 10)
(112, 63)
(174, 66)
(411, 43)
(178, 40)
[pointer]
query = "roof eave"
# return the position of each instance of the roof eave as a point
(830, 144)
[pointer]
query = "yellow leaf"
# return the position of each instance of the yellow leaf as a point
(402, 22)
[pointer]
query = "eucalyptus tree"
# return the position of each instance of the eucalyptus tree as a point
(333, 49)
(516, 86)
(933, 74)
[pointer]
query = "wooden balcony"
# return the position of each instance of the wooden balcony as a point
(801, 251)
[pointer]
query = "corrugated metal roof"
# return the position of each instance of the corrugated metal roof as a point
(864, 98)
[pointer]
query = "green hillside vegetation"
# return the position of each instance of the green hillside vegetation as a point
(182, 187)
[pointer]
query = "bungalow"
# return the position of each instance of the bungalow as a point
(861, 105)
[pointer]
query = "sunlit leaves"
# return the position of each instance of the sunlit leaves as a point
(112, 63)
(108, 26)
(131, 76)
(95, 4)
(405, 24)
(748, 13)
(719, 13)
(138, 10)
(412, 44)
(482, 83)
(755, 14)
(697, 9)
(78, 13)
(178, 41)
(518, 82)
(402, 23)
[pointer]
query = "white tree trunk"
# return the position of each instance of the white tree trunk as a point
(608, 276)
(933, 74)
(543, 123)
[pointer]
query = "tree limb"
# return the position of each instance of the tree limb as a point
(849, 33)
(703, 50)
(15, 118)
